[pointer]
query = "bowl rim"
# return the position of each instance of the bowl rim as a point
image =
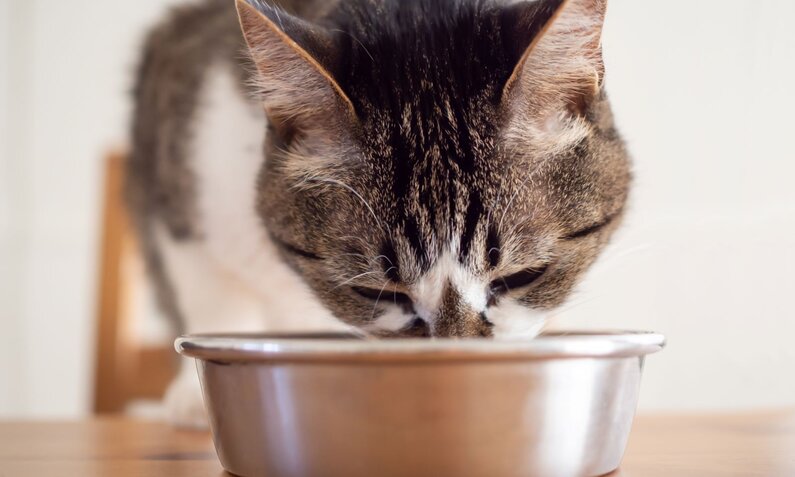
(314, 347)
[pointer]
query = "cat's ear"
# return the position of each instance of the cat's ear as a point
(560, 71)
(293, 60)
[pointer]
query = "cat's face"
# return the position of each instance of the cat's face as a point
(453, 179)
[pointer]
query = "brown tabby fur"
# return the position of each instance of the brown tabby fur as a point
(389, 147)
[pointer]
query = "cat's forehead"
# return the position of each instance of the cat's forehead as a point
(421, 54)
(432, 174)
(432, 131)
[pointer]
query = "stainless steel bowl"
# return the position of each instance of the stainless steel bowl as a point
(333, 405)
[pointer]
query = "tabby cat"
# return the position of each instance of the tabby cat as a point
(425, 168)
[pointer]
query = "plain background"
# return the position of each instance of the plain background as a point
(702, 91)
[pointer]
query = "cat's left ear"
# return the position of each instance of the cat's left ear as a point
(294, 60)
(560, 71)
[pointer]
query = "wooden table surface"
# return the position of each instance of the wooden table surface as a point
(661, 446)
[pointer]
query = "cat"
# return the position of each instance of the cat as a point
(422, 168)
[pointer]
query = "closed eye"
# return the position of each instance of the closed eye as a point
(587, 231)
(518, 280)
(296, 250)
(383, 295)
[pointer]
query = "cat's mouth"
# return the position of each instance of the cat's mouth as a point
(416, 328)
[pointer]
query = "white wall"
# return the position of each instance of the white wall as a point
(67, 79)
(8, 332)
(701, 91)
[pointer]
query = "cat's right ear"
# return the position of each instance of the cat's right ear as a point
(293, 60)
(559, 67)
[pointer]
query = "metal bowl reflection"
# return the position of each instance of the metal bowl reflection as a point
(336, 405)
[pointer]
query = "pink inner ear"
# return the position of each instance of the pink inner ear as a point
(563, 68)
(292, 83)
(558, 79)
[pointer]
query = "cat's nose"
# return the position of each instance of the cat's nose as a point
(457, 319)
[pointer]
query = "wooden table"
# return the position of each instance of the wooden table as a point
(661, 446)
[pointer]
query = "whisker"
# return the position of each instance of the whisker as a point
(372, 317)
(385, 258)
(357, 41)
(354, 192)
(354, 278)
(361, 241)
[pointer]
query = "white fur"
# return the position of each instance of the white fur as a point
(231, 280)
(393, 319)
(427, 293)
(512, 320)
(227, 155)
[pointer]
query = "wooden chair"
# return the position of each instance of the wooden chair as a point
(127, 370)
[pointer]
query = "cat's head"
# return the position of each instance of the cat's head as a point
(438, 168)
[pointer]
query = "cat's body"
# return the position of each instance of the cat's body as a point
(198, 151)
(412, 150)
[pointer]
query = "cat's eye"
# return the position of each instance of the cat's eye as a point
(517, 280)
(295, 250)
(383, 295)
(591, 230)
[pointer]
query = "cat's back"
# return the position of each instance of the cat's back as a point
(197, 150)
(179, 58)
(174, 64)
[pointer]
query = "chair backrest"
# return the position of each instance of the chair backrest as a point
(126, 370)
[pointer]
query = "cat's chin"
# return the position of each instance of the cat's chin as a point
(514, 321)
